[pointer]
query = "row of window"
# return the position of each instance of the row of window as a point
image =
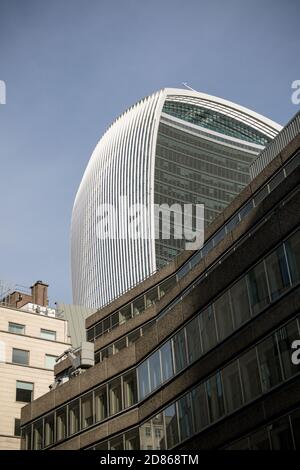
(282, 434)
(19, 329)
(252, 374)
(255, 372)
(127, 312)
(21, 356)
(260, 286)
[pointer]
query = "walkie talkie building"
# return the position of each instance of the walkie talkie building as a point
(175, 146)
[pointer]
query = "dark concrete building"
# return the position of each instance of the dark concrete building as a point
(198, 356)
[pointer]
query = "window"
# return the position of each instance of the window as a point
(166, 361)
(125, 314)
(159, 434)
(293, 254)
(240, 302)
(154, 369)
(98, 329)
(200, 409)
(281, 436)
(277, 271)
(50, 361)
(16, 328)
(148, 431)
(49, 430)
(115, 396)
(73, 417)
(260, 440)
(48, 334)
(87, 415)
(17, 431)
(295, 420)
(117, 443)
(119, 345)
(179, 348)
(38, 435)
(208, 329)
(193, 340)
(185, 417)
(250, 375)
(27, 437)
(171, 423)
(132, 440)
(215, 397)
(223, 316)
(138, 306)
(269, 363)
(130, 389)
(258, 289)
(166, 286)
(285, 337)
(19, 356)
(151, 297)
(232, 387)
(24, 391)
(143, 379)
(133, 337)
(61, 424)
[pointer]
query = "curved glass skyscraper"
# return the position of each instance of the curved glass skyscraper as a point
(175, 146)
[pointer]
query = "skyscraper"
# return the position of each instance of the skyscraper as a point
(174, 146)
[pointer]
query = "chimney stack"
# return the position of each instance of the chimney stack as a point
(39, 292)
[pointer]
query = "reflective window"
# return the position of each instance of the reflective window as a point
(117, 443)
(115, 320)
(269, 363)
(208, 329)
(38, 435)
(48, 334)
(215, 397)
(130, 389)
(151, 297)
(179, 348)
(277, 273)
(154, 369)
(61, 424)
(125, 314)
(159, 432)
(119, 345)
(250, 375)
(106, 324)
(171, 423)
(166, 361)
(138, 306)
(200, 407)
(167, 285)
(73, 417)
(24, 391)
(87, 415)
(258, 289)
(285, 337)
(50, 361)
(223, 316)
(115, 396)
(99, 329)
(132, 440)
(143, 379)
(293, 253)
(49, 430)
(101, 403)
(281, 436)
(16, 328)
(27, 437)
(19, 356)
(193, 340)
(232, 387)
(260, 440)
(240, 302)
(185, 417)
(133, 337)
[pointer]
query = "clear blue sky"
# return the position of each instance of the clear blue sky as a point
(72, 66)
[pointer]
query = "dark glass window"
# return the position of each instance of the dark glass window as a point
(133, 337)
(154, 369)
(99, 329)
(38, 435)
(250, 375)
(115, 396)
(90, 334)
(117, 443)
(101, 403)
(19, 356)
(138, 306)
(167, 285)
(208, 329)
(159, 433)
(258, 289)
(151, 297)
(17, 431)
(129, 389)
(24, 391)
(295, 420)
(281, 436)
(277, 273)
(73, 417)
(49, 430)
(232, 387)
(200, 407)
(87, 414)
(185, 417)
(285, 337)
(27, 437)
(166, 361)
(293, 255)
(240, 302)
(179, 347)
(119, 345)
(61, 424)
(102, 446)
(125, 314)
(223, 316)
(171, 423)
(106, 324)
(143, 379)
(242, 444)
(260, 440)
(132, 440)
(269, 363)
(215, 397)
(193, 340)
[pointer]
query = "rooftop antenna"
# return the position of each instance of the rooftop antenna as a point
(188, 87)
